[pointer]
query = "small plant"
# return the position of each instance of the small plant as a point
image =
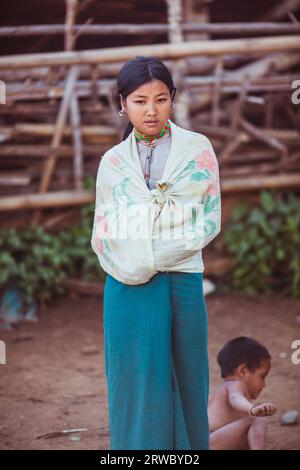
(264, 242)
(39, 261)
(35, 260)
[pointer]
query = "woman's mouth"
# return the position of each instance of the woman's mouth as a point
(151, 123)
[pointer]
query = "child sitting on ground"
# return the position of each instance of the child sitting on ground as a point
(234, 421)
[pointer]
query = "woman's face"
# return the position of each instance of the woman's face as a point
(149, 102)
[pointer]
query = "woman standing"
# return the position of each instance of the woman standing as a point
(159, 179)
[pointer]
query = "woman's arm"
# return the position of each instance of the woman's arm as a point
(208, 215)
(99, 222)
(212, 200)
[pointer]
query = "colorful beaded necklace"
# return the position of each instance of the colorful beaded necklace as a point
(151, 138)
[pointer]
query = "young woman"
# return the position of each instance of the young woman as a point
(159, 178)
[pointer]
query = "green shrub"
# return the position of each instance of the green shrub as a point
(264, 241)
(39, 261)
(34, 259)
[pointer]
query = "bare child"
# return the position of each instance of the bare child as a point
(235, 422)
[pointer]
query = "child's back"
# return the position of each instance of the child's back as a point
(220, 412)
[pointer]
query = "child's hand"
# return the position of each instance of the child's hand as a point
(264, 409)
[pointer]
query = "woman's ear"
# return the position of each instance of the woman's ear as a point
(122, 101)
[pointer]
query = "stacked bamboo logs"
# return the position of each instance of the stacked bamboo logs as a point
(58, 108)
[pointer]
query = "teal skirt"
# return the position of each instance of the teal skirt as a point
(156, 362)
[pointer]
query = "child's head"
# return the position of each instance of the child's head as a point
(247, 360)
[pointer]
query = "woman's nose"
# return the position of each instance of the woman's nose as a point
(151, 109)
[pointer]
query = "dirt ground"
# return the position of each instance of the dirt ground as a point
(54, 376)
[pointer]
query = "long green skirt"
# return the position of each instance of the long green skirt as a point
(156, 362)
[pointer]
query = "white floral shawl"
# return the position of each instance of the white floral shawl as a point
(187, 195)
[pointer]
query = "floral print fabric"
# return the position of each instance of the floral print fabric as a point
(186, 199)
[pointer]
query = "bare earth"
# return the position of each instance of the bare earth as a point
(54, 377)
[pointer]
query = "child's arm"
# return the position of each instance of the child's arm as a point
(236, 393)
(238, 400)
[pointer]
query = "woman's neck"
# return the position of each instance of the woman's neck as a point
(152, 138)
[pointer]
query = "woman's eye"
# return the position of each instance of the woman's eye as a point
(162, 99)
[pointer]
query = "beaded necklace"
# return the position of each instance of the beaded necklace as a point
(151, 138)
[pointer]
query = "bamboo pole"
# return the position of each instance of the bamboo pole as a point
(286, 135)
(17, 178)
(16, 91)
(56, 139)
(59, 125)
(70, 40)
(47, 109)
(49, 129)
(249, 170)
(217, 92)
(229, 89)
(238, 80)
(231, 147)
(239, 104)
(41, 151)
(259, 68)
(236, 185)
(86, 91)
(62, 177)
(71, 6)
(146, 28)
(261, 135)
(174, 51)
(196, 65)
(77, 140)
(45, 200)
(77, 198)
(179, 68)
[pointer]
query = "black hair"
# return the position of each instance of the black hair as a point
(137, 72)
(241, 350)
